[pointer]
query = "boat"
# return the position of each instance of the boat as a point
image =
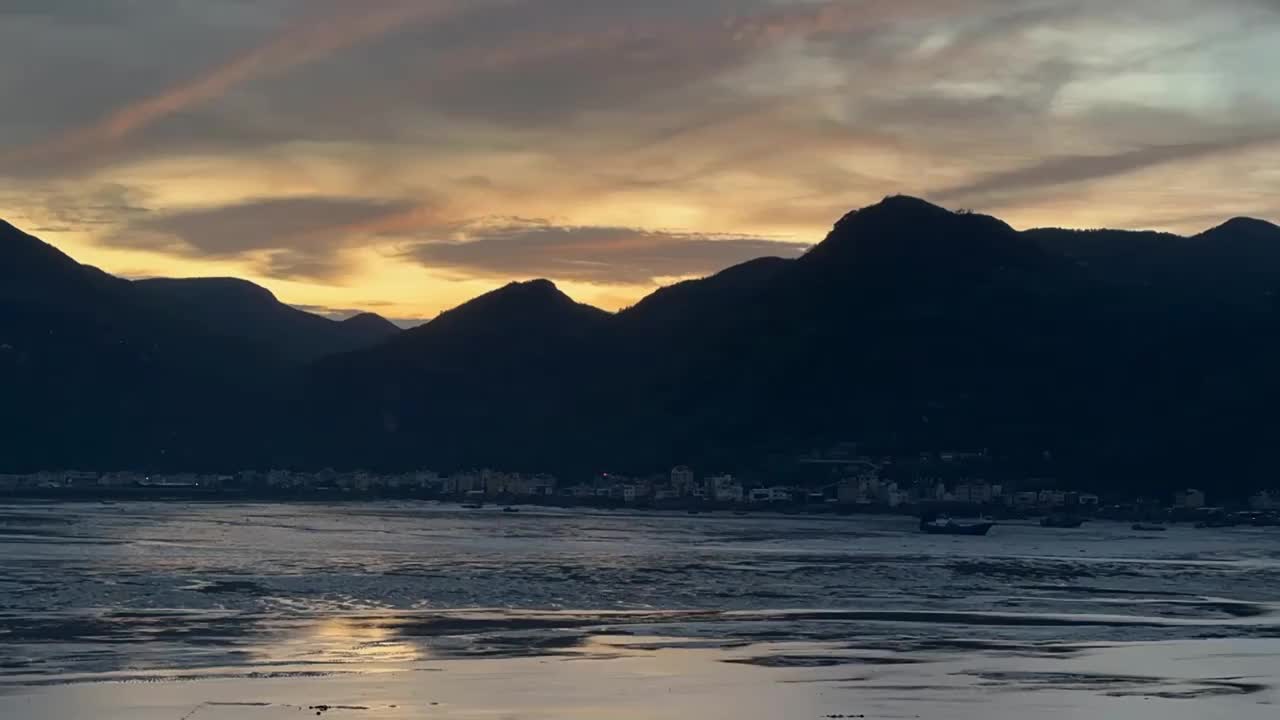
(947, 526)
(510, 509)
(1145, 527)
(1215, 522)
(1061, 521)
(473, 506)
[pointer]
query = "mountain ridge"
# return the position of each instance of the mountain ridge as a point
(909, 327)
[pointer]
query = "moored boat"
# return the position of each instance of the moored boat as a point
(1061, 521)
(947, 526)
(1146, 527)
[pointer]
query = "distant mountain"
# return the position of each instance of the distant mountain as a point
(449, 388)
(1238, 260)
(239, 309)
(1142, 361)
(372, 326)
(99, 371)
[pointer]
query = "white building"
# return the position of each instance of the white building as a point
(974, 492)
(682, 480)
(1053, 498)
(725, 488)
(776, 494)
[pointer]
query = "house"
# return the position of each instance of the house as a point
(725, 488)
(976, 492)
(1025, 499)
(1190, 499)
(1052, 498)
(542, 485)
(665, 492)
(775, 494)
(890, 494)
(1265, 500)
(682, 480)
(864, 487)
(581, 490)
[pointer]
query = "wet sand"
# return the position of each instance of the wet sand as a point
(624, 678)
(259, 611)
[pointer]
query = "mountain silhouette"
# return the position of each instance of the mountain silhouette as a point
(240, 309)
(34, 271)
(484, 370)
(98, 371)
(1140, 360)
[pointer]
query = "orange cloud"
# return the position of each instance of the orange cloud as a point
(307, 42)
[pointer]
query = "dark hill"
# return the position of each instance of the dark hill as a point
(371, 325)
(1237, 260)
(244, 311)
(100, 372)
(485, 379)
(32, 270)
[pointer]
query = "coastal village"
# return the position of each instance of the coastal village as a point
(826, 484)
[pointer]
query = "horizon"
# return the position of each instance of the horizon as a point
(339, 314)
(402, 157)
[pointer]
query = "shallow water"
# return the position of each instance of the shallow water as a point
(139, 610)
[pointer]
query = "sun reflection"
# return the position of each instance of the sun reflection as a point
(342, 641)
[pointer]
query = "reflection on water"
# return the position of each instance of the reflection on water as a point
(380, 610)
(339, 641)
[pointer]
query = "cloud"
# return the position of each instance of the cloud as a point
(290, 237)
(1062, 170)
(760, 118)
(300, 44)
(591, 254)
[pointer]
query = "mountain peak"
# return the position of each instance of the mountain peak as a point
(1244, 227)
(907, 215)
(904, 204)
(373, 323)
(905, 231)
(517, 304)
(540, 287)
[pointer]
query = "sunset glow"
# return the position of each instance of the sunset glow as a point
(399, 155)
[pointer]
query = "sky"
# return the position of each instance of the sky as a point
(403, 156)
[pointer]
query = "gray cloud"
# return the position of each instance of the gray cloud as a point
(301, 237)
(770, 115)
(1069, 169)
(593, 254)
